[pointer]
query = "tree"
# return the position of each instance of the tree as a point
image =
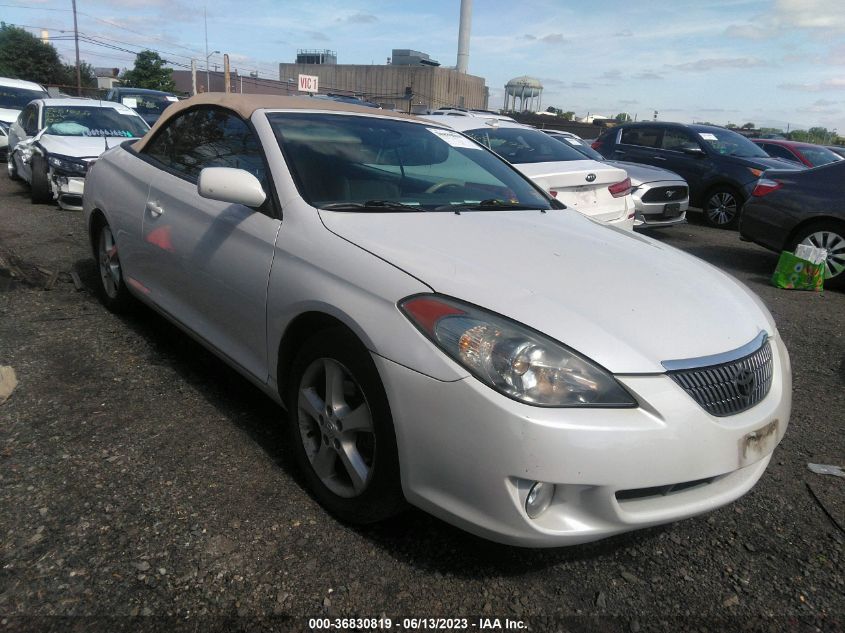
(24, 56)
(568, 115)
(622, 117)
(86, 72)
(747, 126)
(149, 72)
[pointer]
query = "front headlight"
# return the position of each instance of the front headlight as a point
(68, 165)
(513, 359)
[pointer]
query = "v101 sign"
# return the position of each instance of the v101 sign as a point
(308, 83)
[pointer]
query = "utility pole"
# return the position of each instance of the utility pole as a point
(207, 75)
(226, 78)
(76, 41)
(193, 77)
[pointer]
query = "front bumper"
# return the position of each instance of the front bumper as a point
(469, 455)
(656, 213)
(68, 190)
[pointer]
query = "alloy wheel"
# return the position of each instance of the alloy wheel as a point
(109, 262)
(835, 245)
(721, 208)
(336, 427)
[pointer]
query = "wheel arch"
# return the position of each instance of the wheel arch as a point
(301, 328)
(816, 219)
(95, 221)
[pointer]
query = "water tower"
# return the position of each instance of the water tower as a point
(527, 90)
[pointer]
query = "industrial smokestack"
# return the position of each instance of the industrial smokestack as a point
(463, 35)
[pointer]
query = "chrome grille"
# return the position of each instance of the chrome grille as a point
(730, 387)
(665, 194)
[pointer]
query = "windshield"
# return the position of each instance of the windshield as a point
(819, 156)
(147, 103)
(524, 145)
(17, 98)
(729, 143)
(92, 121)
(379, 164)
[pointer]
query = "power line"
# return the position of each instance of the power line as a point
(110, 23)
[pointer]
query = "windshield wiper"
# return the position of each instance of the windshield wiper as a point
(492, 204)
(371, 205)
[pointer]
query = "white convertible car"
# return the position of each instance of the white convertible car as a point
(54, 141)
(440, 330)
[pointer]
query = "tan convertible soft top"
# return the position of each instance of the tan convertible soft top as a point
(245, 105)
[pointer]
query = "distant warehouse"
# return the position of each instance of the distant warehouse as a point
(408, 74)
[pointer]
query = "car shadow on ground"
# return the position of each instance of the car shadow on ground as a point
(415, 538)
(246, 406)
(422, 541)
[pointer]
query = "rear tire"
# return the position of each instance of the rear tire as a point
(341, 429)
(39, 187)
(113, 292)
(722, 206)
(830, 235)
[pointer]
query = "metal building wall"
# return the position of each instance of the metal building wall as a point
(434, 87)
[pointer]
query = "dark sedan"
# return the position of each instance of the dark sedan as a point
(787, 208)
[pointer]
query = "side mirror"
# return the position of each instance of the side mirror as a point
(227, 184)
(693, 151)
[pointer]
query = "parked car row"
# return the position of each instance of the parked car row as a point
(718, 164)
(661, 197)
(440, 329)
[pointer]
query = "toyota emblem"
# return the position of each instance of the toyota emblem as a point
(591, 177)
(745, 381)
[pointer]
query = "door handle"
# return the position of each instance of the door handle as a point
(155, 209)
(658, 157)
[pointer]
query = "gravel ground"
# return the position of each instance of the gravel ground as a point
(139, 476)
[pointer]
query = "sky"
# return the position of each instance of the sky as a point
(775, 63)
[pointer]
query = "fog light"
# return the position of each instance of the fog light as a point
(539, 499)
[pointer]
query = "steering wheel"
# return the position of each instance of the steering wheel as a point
(441, 185)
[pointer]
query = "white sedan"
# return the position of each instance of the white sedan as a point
(440, 330)
(598, 190)
(54, 141)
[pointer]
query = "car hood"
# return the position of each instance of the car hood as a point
(571, 173)
(640, 174)
(78, 146)
(9, 116)
(624, 300)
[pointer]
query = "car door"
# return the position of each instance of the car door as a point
(208, 261)
(681, 152)
(638, 144)
(23, 129)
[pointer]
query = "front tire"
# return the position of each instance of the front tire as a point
(113, 292)
(39, 187)
(831, 236)
(10, 167)
(722, 205)
(342, 431)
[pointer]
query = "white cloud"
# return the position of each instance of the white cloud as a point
(822, 86)
(703, 65)
(811, 14)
